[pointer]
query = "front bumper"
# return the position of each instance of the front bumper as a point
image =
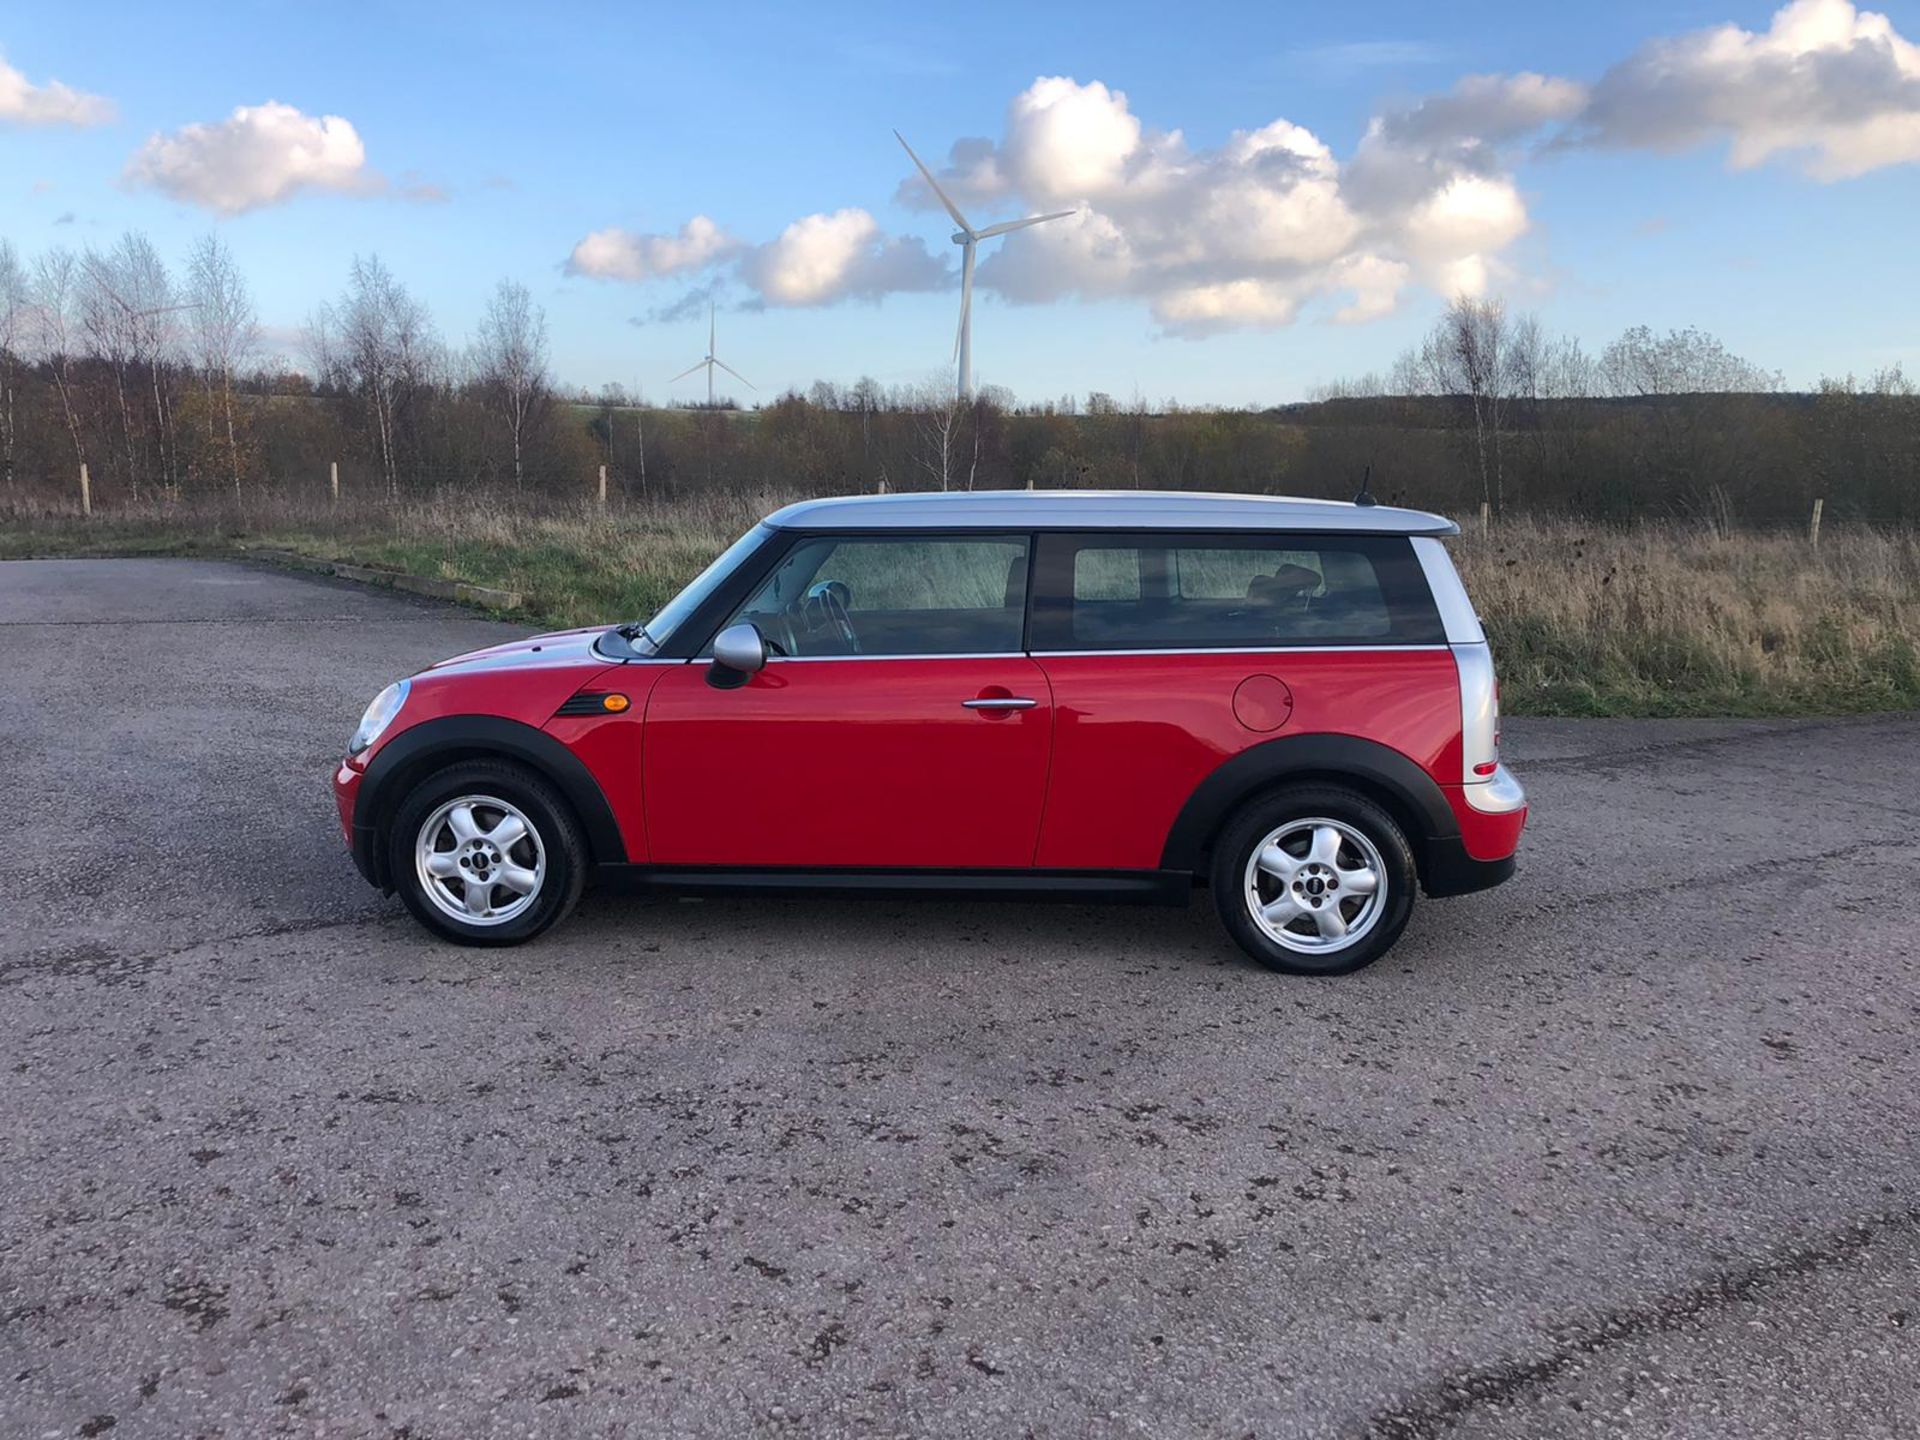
(361, 840)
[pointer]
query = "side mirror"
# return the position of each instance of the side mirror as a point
(739, 651)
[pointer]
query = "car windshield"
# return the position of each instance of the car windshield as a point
(674, 613)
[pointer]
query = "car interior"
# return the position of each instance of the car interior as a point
(844, 598)
(1197, 598)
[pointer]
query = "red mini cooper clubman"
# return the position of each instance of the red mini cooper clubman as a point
(1130, 695)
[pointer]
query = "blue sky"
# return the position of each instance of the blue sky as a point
(503, 136)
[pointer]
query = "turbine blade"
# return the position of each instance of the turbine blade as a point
(686, 372)
(1012, 225)
(711, 331)
(966, 300)
(952, 209)
(736, 375)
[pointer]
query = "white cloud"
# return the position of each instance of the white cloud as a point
(1486, 108)
(1374, 283)
(1251, 233)
(1247, 234)
(971, 176)
(1067, 142)
(1834, 84)
(1271, 224)
(260, 155)
(817, 260)
(24, 103)
(825, 258)
(1228, 304)
(616, 254)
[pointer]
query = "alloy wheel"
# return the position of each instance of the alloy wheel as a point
(480, 860)
(1316, 886)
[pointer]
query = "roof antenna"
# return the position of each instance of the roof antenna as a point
(1365, 497)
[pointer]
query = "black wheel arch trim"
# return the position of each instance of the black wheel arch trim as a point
(1412, 795)
(398, 765)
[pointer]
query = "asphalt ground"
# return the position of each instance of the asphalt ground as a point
(1624, 1148)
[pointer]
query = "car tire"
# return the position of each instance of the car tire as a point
(1335, 887)
(486, 852)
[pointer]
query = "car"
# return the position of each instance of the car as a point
(1090, 695)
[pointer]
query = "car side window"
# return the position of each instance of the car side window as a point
(888, 595)
(1177, 591)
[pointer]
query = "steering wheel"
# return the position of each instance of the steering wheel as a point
(829, 598)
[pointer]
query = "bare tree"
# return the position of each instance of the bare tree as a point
(1137, 416)
(640, 437)
(109, 323)
(379, 343)
(1681, 362)
(155, 310)
(320, 346)
(224, 329)
(1370, 386)
(938, 411)
(129, 312)
(612, 400)
(510, 360)
(13, 320)
(1471, 354)
(56, 289)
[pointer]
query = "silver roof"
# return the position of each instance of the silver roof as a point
(1102, 510)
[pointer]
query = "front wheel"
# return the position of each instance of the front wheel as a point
(486, 853)
(1314, 880)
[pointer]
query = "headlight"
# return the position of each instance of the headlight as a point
(379, 715)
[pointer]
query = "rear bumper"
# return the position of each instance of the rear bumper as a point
(1450, 870)
(1500, 795)
(1491, 814)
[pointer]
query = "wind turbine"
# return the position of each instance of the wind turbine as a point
(711, 361)
(968, 239)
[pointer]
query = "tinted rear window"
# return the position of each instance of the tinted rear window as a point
(1205, 591)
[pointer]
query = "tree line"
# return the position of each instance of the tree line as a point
(156, 377)
(1653, 425)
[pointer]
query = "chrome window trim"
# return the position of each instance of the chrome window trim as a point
(1069, 654)
(962, 655)
(1458, 618)
(1248, 650)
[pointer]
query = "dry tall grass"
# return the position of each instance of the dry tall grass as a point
(1655, 620)
(1689, 619)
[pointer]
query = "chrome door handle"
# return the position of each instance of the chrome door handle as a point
(1011, 702)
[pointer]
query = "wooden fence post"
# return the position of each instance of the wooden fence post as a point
(86, 491)
(1813, 525)
(603, 487)
(333, 478)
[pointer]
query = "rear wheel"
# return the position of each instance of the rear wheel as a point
(1314, 880)
(486, 853)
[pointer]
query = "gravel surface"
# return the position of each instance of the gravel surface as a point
(1624, 1148)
